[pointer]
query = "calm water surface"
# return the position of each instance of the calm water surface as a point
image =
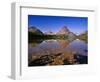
(48, 47)
(55, 46)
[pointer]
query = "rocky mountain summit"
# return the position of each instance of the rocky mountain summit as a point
(63, 30)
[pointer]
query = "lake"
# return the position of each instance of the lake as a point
(57, 52)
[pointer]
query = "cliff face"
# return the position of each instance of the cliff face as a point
(63, 30)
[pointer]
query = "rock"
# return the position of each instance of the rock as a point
(63, 30)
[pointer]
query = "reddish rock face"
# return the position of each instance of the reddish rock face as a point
(63, 30)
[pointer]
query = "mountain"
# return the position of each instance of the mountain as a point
(49, 33)
(63, 30)
(83, 36)
(71, 36)
(34, 31)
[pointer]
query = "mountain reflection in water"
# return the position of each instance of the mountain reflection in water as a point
(57, 52)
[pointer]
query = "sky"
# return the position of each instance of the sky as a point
(76, 25)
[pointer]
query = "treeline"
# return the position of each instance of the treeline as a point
(32, 36)
(84, 36)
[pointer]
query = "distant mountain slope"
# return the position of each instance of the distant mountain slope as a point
(71, 36)
(34, 31)
(83, 36)
(49, 33)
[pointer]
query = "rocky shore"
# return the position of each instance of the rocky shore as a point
(66, 58)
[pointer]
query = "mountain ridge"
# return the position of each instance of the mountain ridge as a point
(63, 31)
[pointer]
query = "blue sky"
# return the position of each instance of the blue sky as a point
(76, 25)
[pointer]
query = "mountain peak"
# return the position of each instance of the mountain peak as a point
(63, 30)
(65, 27)
(34, 30)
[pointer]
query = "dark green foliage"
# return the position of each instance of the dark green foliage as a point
(84, 36)
(36, 36)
